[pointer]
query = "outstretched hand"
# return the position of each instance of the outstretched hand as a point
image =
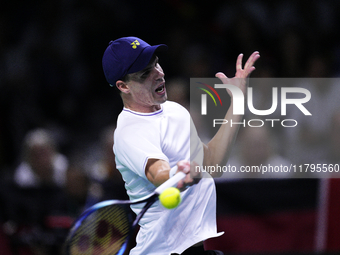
(241, 73)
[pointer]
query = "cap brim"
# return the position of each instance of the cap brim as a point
(145, 56)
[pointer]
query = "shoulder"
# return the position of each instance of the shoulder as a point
(170, 106)
(133, 126)
(128, 119)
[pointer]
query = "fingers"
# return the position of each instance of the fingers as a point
(196, 175)
(183, 166)
(190, 178)
(252, 59)
(222, 77)
(239, 62)
(249, 65)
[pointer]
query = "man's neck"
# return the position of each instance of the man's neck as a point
(142, 108)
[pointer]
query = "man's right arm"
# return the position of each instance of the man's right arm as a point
(158, 171)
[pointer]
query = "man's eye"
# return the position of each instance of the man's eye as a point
(145, 74)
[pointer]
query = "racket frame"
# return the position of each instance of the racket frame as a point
(149, 199)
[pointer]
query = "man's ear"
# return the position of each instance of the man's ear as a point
(123, 86)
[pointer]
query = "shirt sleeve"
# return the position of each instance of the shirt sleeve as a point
(135, 144)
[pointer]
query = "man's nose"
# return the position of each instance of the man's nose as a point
(160, 72)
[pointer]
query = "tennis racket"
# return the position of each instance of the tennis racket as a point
(107, 227)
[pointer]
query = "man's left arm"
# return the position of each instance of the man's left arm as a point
(217, 151)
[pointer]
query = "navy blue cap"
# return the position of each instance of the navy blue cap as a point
(127, 55)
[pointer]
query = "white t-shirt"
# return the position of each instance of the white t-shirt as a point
(167, 134)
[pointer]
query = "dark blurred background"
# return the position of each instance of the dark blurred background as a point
(51, 80)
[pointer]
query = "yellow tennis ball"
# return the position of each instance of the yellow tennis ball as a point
(170, 198)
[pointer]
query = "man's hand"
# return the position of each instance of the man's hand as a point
(241, 74)
(191, 177)
(157, 172)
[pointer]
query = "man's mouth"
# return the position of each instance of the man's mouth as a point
(160, 89)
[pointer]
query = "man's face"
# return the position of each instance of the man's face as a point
(147, 87)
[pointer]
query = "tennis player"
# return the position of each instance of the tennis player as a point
(154, 139)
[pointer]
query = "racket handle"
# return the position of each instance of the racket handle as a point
(171, 182)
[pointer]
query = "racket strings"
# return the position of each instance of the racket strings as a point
(103, 232)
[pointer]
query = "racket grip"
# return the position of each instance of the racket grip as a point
(171, 182)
